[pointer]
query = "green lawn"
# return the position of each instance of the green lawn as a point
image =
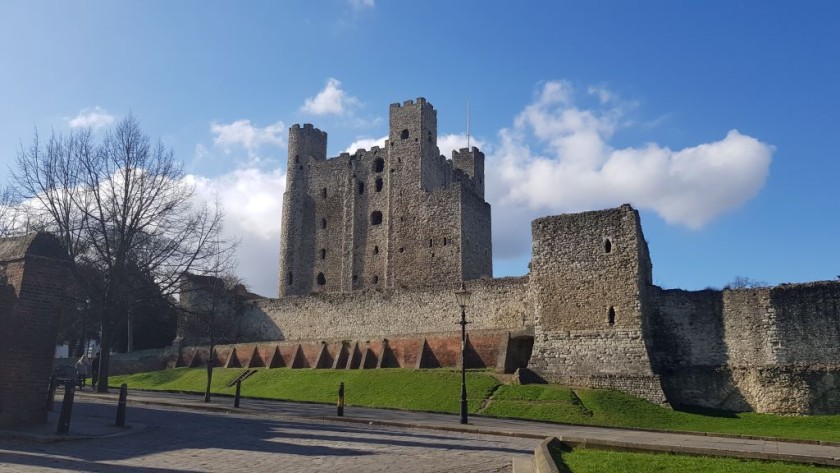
(422, 390)
(438, 390)
(612, 408)
(582, 460)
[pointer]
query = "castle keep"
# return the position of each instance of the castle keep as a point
(402, 215)
(374, 243)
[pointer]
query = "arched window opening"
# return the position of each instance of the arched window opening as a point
(323, 223)
(376, 279)
(404, 135)
(445, 241)
(379, 184)
(607, 246)
(376, 250)
(429, 137)
(289, 279)
(361, 188)
(376, 218)
(323, 253)
(324, 192)
(321, 280)
(402, 249)
(378, 165)
(611, 317)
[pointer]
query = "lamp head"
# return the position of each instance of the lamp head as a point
(462, 296)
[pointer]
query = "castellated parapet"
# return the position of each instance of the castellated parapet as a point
(402, 215)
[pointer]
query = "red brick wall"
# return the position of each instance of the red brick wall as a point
(29, 314)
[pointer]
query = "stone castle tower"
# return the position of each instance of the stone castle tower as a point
(399, 216)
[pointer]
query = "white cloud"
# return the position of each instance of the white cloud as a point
(94, 118)
(557, 158)
(366, 143)
(244, 133)
(252, 200)
(361, 4)
(332, 100)
(455, 141)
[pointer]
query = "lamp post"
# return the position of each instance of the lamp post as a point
(462, 297)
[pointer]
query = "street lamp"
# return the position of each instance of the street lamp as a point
(462, 297)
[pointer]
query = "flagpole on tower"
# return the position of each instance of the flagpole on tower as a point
(468, 124)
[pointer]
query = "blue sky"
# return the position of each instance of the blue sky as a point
(577, 105)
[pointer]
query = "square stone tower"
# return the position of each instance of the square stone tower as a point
(399, 216)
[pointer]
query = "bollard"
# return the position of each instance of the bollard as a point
(66, 408)
(51, 393)
(121, 405)
(238, 391)
(340, 404)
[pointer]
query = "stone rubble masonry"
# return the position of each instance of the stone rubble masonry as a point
(402, 215)
(589, 277)
(34, 279)
(587, 314)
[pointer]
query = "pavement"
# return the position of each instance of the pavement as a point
(516, 438)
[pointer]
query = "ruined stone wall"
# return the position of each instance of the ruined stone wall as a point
(687, 328)
(587, 275)
(772, 349)
(497, 304)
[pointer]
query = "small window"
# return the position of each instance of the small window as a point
(321, 280)
(402, 249)
(323, 223)
(289, 279)
(378, 184)
(376, 279)
(431, 242)
(324, 192)
(376, 250)
(404, 135)
(376, 218)
(429, 137)
(361, 188)
(323, 253)
(611, 317)
(607, 246)
(445, 241)
(297, 159)
(378, 165)
(355, 278)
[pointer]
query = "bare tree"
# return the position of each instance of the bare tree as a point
(120, 207)
(743, 282)
(211, 305)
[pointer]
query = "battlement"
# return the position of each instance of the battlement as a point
(408, 103)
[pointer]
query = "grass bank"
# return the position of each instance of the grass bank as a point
(420, 390)
(582, 460)
(438, 390)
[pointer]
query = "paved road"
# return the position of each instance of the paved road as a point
(708, 445)
(181, 440)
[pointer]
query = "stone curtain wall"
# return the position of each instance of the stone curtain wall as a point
(496, 304)
(596, 318)
(34, 279)
(588, 277)
(766, 349)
